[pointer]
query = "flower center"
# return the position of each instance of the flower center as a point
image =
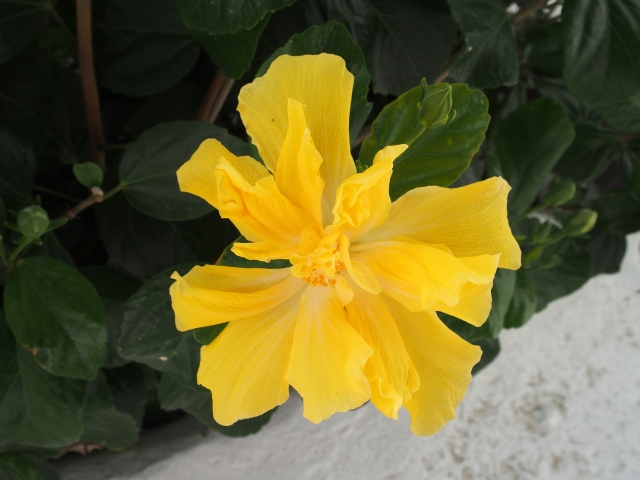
(318, 260)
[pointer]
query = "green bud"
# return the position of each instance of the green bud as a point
(33, 222)
(580, 223)
(560, 192)
(533, 255)
(88, 174)
(541, 232)
(436, 106)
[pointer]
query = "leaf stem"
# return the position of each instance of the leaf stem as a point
(87, 202)
(214, 98)
(89, 85)
(524, 215)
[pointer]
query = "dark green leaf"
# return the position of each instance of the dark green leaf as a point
(148, 332)
(226, 16)
(590, 153)
(52, 248)
(14, 466)
(206, 335)
(20, 23)
(114, 289)
(233, 52)
(207, 236)
(523, 302)
(103, 425)
(36, 408)
(178, 389)
(490, 57)
(524, 148)
(55, 312)
(601, 41)
(132, 387)
(618, 212)
(623, 115)
(430, 159)
(88, 174)
(607, 251)
(59, 42)
(490, 350)
(141, 47)
(578, 112)
(334, 38)
(402, 41)
(17, 167)
(148, 168)
(544, 51)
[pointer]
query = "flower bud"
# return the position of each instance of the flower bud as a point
(560, 192)
(436, 106)
(33, 222)
(580, 223)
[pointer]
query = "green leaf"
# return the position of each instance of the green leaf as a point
(623, 115)
(601, 41)
(525, 147)
(141, 47)
(618, 212)
(523, 302)
(178, 389)
(607, 251)
(88, 174)
(57, 314)
(114, 289)
(59, 42)
(334, 38)
(148, 332)
(17, 167)
(207, 237)
(148, 168)
(430, 159)
(544, 50)
(226, 16)
(52, 248)
(578, 112)
(14, 466)
(490, 57)
(103, 425)
(20, 23)
(36, 408)
(592, 150)
(206, 335)
(232, 52)
(132, 386)
(402, 41)
(490, 350)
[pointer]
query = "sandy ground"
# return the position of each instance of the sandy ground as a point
(562, 401)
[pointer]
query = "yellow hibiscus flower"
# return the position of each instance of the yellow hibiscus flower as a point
(353, 319)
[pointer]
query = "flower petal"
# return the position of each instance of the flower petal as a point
(197, 176)
(362, 200)
(327, 357)
(470, 220)
(443, 361)
(474, 305)
(323, 84)
(390, 371)
(297, 173)
(244, 366)
(421, 276)
(215, 294)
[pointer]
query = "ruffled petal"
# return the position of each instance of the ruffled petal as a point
(297, 173)
(474, 305)
(244, 366)
(215, 294)
(323, 85)
(443, 361)
(327, 357)
(197, 176)
(421, 276)
(470, 220)
(390, 371)
(362, 200)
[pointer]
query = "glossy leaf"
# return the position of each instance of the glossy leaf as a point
(103, 425)
(57, 314)
(17, 167)
(333, 37)
(526, 146)
(490, 57)
(402, 41)
(141, 47)
(36, 408)
(232, 52)
(601, 39)
(148, 332)
(623, 115)
(226, 16)
(20, 23)
(148, 168)
(544, 51)
(429, 160)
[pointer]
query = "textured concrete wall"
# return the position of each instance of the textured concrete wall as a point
(562, 401)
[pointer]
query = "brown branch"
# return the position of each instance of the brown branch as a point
(96, 196)
(214, 98)
(89, 86)
(527, 10)
(628, 137)
(364, 133)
